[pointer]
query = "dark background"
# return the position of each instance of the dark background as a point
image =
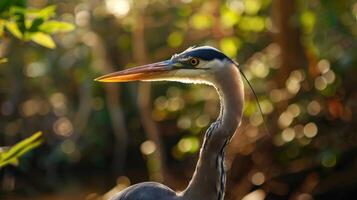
(300, 56)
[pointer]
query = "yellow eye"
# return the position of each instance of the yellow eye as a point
(194, 61)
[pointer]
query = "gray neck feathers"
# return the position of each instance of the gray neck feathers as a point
(209, 179)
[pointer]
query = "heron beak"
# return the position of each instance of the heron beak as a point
(145, 72)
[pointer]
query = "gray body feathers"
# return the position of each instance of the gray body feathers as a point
(147, 191)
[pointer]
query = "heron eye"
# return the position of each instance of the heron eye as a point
(194, 61)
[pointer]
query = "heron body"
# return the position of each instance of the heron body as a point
(203, 65)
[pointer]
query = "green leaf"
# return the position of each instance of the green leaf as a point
(43, 39)
(14, 10)
(52, 27)
(45, 13)
(21, 145)
(13, 29)
(5, 4)
(35, 24)
(13, 161)
(11, 156)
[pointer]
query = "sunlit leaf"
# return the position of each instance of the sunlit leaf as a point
(17, 10)
(3, 60)
(43, 39)
(56, 27)
(44, 13)
(21, 145)
(13, 161)
(48, 12)
(11, 156)
(13, 29)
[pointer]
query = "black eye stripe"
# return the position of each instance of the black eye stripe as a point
(205, 54)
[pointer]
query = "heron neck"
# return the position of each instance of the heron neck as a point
(208, 181)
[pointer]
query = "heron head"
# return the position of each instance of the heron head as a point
(194, 65)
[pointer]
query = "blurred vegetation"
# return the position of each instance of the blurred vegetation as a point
(27, 24)
(299, 56)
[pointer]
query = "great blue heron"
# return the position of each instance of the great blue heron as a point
(202, 65)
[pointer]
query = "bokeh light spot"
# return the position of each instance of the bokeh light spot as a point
(313, 108)
(202, 121)
(63, 127)
(328, 159)
(267, 106)
(236, 5)
(36, 69)
(68, 146)
(294, 109)
(161, 103)
(175, 104)
(329, 76)
(288, 134)
(184, 122)
(118, 8)
(323, 66)
(201, 21)
(175, 39)
(58, 101)
(190, 144)
(258, 178)
(310, 130)
(230, 46)
(304, 196)
(82, 18)
(285, 119)
(259, 69)
(320, 83)
(148, 147)
(256, 119)
(229, 17)
(252, 6)
(30, 107)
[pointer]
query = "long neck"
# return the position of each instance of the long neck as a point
(208, 181)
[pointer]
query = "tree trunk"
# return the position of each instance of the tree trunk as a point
(156, 173)
(287, 36)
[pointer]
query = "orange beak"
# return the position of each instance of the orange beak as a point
(145, 72)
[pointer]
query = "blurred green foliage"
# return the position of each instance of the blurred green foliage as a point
(31, 24)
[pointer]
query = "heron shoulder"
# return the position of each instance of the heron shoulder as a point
(147, 191)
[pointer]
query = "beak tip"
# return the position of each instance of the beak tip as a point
(100, 79)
